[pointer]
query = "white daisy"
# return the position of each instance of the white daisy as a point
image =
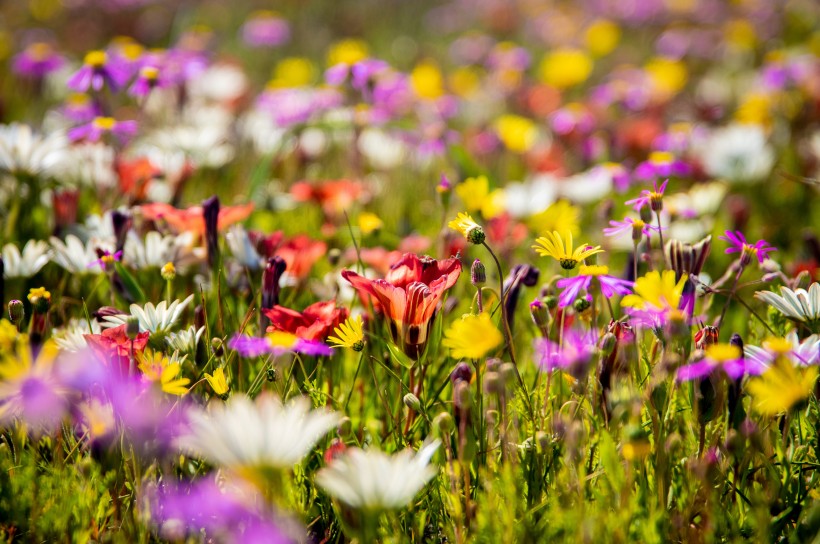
(806, 352)
(25, 264)
(586, 187)
(23, 151)
(798, 305)
(71, 336)
(244, 434)
(154, 319)
(90, 164)
(152, 252)
(372, 480)
(76, 257)
(242, 248)
(737, 153)
(185, 341)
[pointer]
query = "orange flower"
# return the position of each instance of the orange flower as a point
(191, 219)
(334, 196)
(409, 295)
(300, 253)
(135, 176)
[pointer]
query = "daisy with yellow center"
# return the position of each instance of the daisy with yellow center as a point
(472, 337)
(95, 59)
(468, 228)
(157, 367)
(349, 334)
(656, 291)
(561, 249)
(782, 387)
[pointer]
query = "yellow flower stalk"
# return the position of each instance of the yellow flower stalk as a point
(560, 249)
(472, 337)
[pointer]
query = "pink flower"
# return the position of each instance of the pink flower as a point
(738, 244)
(97, 70)
(648, 197)
(99, 126)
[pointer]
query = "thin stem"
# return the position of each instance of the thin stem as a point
(731, 295)
(660, 231)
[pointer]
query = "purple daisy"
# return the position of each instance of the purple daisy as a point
(647, 197)
(574, 356)
(37, 61)
(99, 126)
(725, 357)
(738, 244)
(97, 71)
(636, 227)
(610, 285)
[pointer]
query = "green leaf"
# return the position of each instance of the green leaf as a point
(611, 462)
(398, 355)
(130, 283)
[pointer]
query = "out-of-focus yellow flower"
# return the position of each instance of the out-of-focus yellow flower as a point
(561, 249)
(427, 81)
(476, 195)
(755, 109)
(781, 387)
(218, 381)
(158, 367)
(565, 67)
(369, 222)
(740, 33)
(668, 76)
(293, 72)
(465, 81)
(517, 133)
(602, 36)
(561, 216)
(348, 51)
(656, 290)
(37, 293)
(349, 334)
(282, 339)
(472, 337)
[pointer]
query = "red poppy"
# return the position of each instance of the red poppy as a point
(316, 322)
(114, 346)
(191, 219)
(409, 295)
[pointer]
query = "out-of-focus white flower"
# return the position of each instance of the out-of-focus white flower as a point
(154, 319)
(798, 305)
(242, 248)
(185, 341)
(153, 251)
(372, 480)
(222, 83)
(701, 199)
(586, 187)
(265, 135)
(71, 336)
(382, 150)
(34, 256)
(90, 164)
(530, 197)
(76, 257)
(203, 145)
(737, 153)
(806, 352)
(23, 151)
(243, 435)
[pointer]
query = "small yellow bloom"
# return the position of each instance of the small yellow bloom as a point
(36, 293)
(517, 133)
(104, 123)
(476, 195)
(293, 72)
(468, 228)
(755, 109)
(602, 37)
(427, 81)
(95, 59)
(593, 270)
(369, 222)
(781, 387)
(218, 381)
(349, 334)
(472, 337)
(158, 367)
(282, 339)
(465, 81)
(561, 216)
(656, 290)
(168, 271)
(565, 67)
(348, 51)
(171, 382)
(552, 245)
(668, 76)
(779, 346)
(723, 352)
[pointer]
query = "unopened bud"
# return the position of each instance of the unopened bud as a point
(412, 402)
(132, 327)
(216, 347)
(476, 235)
(40, 299)
(608, 343)
(581, 305)
(492, 383)
(344, 427)
(550, 301)
(462, 372)
(461, 395)
(508, 373)
(539, 313)
(270, 375)
(493, 364)
(334, 255)
(168, 271)
(543, 440)
(646, 214)
(478, 274)
(16, 311)
(444, 423)
(637, 229)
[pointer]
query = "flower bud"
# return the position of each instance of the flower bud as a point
(344, 427)
(492, 383)
(508, 373)
(493, 364)
(40, 299)
(608, 343)
(132, 327)
(462, 372)
(543, 440)
(210, 212)
(412, 402)
(216, 347)
(539, 313)
(16, 311)
(462, 395)
(581, 305)
(550, 301)
(637, 229)
(646, 214)
(270, 375)
(444, 423)
(476, 235)
(478, 274)
(444, 190)
(168, 271)
(334, 255)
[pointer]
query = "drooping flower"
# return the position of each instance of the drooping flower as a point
(409, 296)
(246, 436)
(349, 334)
(636, 227)
(798, 305)
(552, 245)
(218, 381)
(610, 285)
(738, 244)
(725, 357)
(99, 126)
(371, 480)
(98, 70)
(472, 337)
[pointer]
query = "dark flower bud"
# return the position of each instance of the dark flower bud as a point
(210, 212)
(581, 305)
(217, 347)
(493, 364)
(608, 343)
(492, 383)
(551, 302)
(646, 214)
(344, 427)
(121, 222)
(462, 396)
(132, 327)
(274, 269)
(462, 372)
(270, 375)
(16, 311)
(334, 255)
(539, 313)
(478, 274)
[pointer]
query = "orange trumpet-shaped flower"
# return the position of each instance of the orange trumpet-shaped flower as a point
(409, 295)
(192, 219)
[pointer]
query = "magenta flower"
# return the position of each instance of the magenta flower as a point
(106, 259)
(630, 225)
(37, 60)
(98, 70)
(100, 126)
(79, 108)
(147, 80)
(575, 356)
(738, 244)
(725, 357)
(647, 197)
(610, 285)
(277, 343)
(265, 29)
(661, 164)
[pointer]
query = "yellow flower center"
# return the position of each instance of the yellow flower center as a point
(95, 59)
(723, 352)
(104, 123)
(150, 72)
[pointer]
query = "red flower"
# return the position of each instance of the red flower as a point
(300, 253)
(316, 322)
(409, 295)
(192, 219)
(114, 346)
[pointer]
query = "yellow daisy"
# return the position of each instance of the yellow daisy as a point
(349, 334)
(656, 290)
(552, 245)
(781, 387)
(218, 382)
(468, 228)
(472, 337)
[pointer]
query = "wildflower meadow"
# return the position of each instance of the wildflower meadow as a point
(434, 271)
